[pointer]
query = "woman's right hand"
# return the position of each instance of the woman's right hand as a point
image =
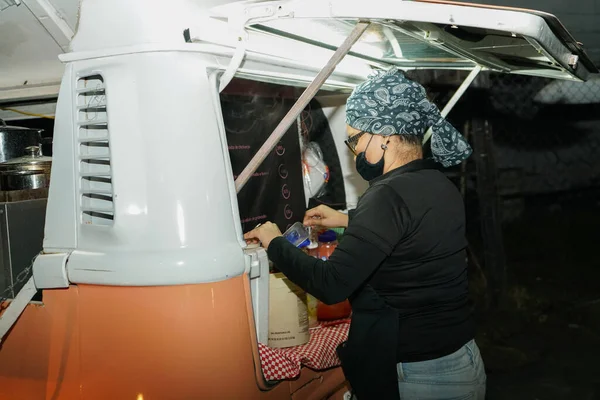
(326, 217)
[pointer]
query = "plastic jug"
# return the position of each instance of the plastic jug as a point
(327, 244)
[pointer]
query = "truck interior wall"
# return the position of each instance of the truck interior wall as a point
(274, 193)
(334, 108)
(315, 129)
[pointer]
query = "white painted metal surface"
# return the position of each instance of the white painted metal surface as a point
(50, 271)
(34, 32)
(455, 97)
(172, 213)
(257, 267)
(499, 33)
(60, 230)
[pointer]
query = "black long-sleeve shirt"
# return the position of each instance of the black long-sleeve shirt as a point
(406, 239)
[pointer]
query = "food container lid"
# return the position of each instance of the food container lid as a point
(304, 244)
(32, 160)
(327, 236)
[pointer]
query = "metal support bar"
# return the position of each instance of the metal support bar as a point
(16, 307)
(235, 62)
(52, 20)
(300, 104)
(8, 3)
(389, 35)
(455, 97)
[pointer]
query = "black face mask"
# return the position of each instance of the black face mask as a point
(367, 170)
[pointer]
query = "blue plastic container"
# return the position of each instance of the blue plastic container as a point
(297, 235)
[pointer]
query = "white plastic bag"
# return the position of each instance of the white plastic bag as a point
(314, 171)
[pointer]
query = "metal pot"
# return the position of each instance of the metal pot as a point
(31, 171)
(15, 139)
(23, 180)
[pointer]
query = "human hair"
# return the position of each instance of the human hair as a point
(407, 146)
(410, 140)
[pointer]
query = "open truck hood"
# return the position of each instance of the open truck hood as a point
(406, 34)
(296, 33)
(423, 34)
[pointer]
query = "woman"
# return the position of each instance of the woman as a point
(402, 261)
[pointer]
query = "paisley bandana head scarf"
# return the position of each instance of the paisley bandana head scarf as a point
(388, 103)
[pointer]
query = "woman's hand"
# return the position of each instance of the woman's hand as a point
(325, 217)
(263, 233)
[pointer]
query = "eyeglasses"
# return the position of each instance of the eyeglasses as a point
(353, 141)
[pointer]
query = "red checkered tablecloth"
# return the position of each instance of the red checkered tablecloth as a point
(319, 353)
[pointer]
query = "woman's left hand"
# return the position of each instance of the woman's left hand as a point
(263, 233)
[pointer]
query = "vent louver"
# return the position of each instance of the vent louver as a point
(97, 205)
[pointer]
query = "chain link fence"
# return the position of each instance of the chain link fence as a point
(540, 171)
(546, 136)
(546, 132)
(546, 143)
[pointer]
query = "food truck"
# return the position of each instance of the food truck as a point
(149, 290)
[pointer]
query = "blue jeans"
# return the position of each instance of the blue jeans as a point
(458, 376)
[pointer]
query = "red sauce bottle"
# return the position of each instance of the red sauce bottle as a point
(327, 244)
